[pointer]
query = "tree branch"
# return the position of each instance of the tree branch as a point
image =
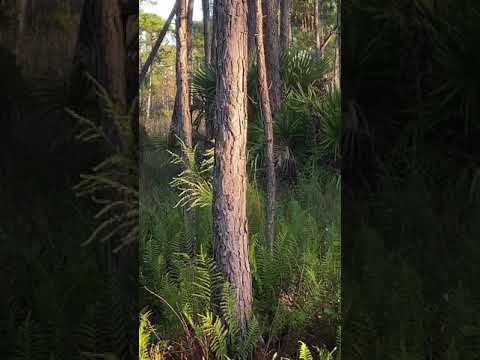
(153, 53)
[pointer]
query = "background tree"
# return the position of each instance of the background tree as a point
(285, 26)
(206, 31)
(268, 126)
(272, 49)
(183, 113)
(317, 14)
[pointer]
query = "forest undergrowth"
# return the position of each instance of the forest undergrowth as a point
(296, 286)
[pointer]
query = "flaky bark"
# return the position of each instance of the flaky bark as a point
(230, 178)
(272, 51)
(285, 25)
(268, 127)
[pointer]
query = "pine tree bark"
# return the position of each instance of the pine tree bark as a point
(285, 25)
(207, 46)
(272, 51)
(268, 127)
(230, 178)
(318, 29)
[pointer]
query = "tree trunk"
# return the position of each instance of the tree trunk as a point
(207, 46)
(191, 4)
(182, 108)
(268, 127)
(113, 44)
(230, 178)
(101, 53)
(149, 98)
(156, 47)
(338, 52)
(251, 27)
(214, 32)
(272, 52)
(285, 25)
(318, 28)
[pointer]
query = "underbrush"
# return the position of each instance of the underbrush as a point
(296, 286)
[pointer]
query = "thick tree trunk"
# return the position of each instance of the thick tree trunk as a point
(268, 127)
(207, 46)
(115, 55)
(285, 24)
(101, 53)
(318, 28)
(182, 108)
(156, 47)
(230, 178)
(272, 51)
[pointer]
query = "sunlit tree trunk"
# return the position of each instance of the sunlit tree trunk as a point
(230, 226)
(183, 115)
(206, 32)
(268, 126)
(191, 4)
(272, 51)
(318, 28)
(285, 24)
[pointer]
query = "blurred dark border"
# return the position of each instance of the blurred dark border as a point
(410, 190)
(68, 95)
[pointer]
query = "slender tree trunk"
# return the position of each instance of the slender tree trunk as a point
(251, 27)
(207, 46)
(183, 115)
(230, 178)
(214, 32)
(285, 24)
(191, 4)
(268, 127)
(318, 28)
(272, 51)
(156, 47)
(338, 50)
(149, 98)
